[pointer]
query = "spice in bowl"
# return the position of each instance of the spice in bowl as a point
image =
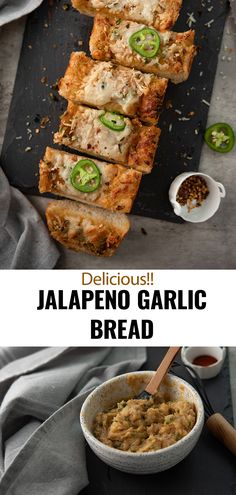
(204, 360)
(192, 192)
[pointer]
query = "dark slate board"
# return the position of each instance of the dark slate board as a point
(51, 35)
(208, 470)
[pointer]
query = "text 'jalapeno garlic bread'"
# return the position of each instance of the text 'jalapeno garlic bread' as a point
(168, 54)
(86, 228)
(109, 136)
(161, 14)
(114, 88)
(106, 185)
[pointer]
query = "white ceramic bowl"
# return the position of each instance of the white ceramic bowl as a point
(117, 389)
(208, 207)
(188, 354)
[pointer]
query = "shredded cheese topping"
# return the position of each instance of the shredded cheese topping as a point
(119, 86)
(141, 10)
(86, 132)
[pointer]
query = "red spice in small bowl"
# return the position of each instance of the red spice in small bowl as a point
(204, 360)
(192, 192)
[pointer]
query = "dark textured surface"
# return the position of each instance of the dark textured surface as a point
(51, 34)
(208, 470)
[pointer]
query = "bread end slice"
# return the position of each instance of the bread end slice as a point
(99, 43)
(86, 228)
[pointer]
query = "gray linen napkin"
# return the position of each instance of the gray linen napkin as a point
(24, 239)
(13, 9)
(42, 449)
(233, 7)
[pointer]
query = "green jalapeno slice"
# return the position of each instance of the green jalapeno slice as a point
(113, 121)
(220, 137)
(145, 42)
(85, 176)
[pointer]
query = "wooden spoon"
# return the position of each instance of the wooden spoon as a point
(160, 373)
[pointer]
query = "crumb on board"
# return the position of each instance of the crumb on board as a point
(168, 104)
(209, 23)
(54, 86)
(206, 102)
(44, 121)
(191, 19)
(44, 80)
(53, 96)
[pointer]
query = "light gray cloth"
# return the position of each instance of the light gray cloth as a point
(24, 239)
(233, 7)
(13, 9)
(42, 450)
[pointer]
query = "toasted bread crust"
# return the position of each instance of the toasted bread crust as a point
(146, 105)
(164, 14)
(151, 104)
(82, 130)
(108, 42)
(86, 229)
(144, 149)
(99, 43)
(79, 67)
(117, 191)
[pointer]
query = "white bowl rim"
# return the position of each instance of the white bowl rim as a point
(123, 453)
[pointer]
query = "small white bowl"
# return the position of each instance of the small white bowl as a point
(209, 206)
(119, 388)
(188, 354)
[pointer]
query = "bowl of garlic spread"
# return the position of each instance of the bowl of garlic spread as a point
(142, 436)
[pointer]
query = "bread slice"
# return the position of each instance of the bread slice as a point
(161, 14)
(112, 87)
(134, 146)
(116, 192)
(110, 40)
(86, 228)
